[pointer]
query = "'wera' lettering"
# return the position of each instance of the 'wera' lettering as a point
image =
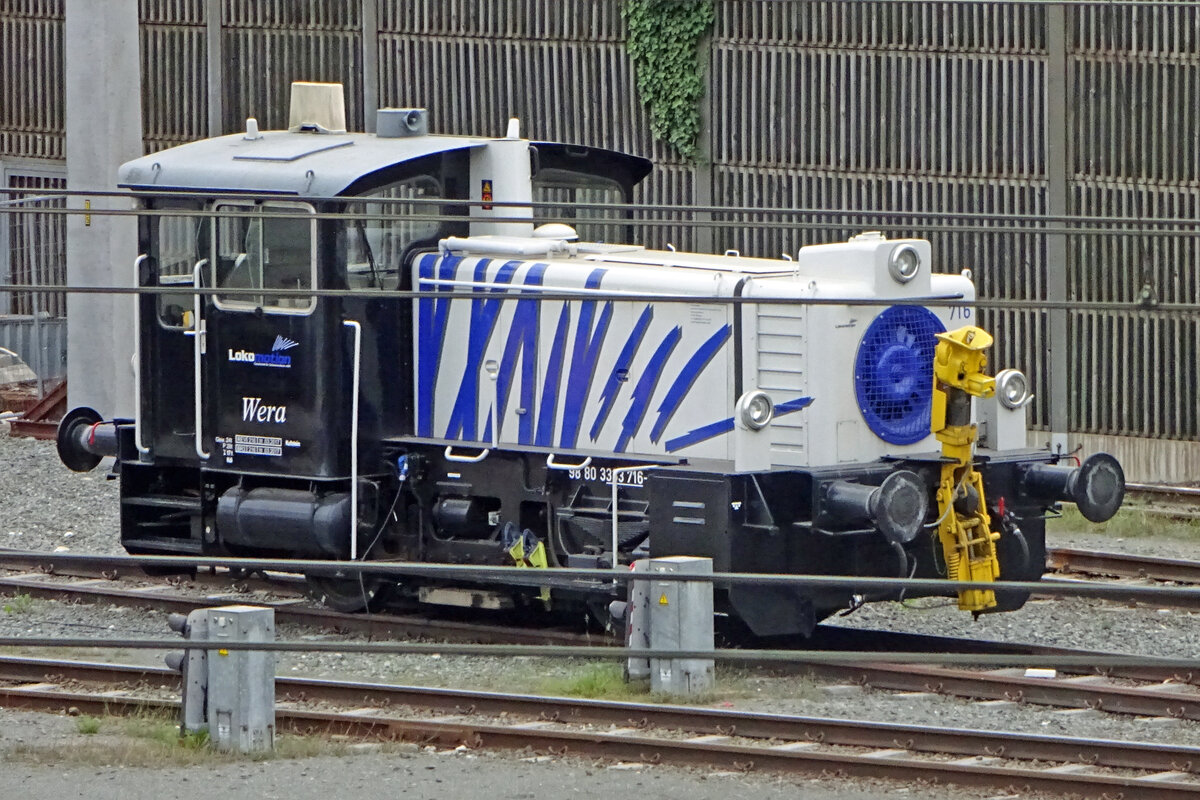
(253, 410)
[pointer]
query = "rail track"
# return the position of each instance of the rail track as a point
(1161, 691)
(1122, 565)
(1181, 502)
(648, 733)
(285, 594)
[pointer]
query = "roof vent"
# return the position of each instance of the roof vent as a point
(555, 230)
(394, 123)
(317, 108)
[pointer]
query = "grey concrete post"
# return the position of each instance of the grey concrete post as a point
(104, 129)
(702, 170)
(216, 70)
(1057, 204)
(370, 63)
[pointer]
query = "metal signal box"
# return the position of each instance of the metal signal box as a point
(681, 619)
(241, 683)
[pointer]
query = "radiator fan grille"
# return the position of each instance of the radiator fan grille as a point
(893, 373)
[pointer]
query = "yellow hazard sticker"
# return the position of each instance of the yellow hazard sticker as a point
(662, 601)
(223, 652)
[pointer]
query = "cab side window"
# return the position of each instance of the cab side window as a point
(584, 193)
(266, 245)
(179, 242)
(382, 227)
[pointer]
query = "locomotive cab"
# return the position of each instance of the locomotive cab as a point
(548, 395)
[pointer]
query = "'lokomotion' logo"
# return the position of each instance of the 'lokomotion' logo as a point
(271, 359)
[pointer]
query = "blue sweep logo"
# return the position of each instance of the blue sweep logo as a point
(275, 358)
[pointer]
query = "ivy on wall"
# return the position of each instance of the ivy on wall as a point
(664, 44)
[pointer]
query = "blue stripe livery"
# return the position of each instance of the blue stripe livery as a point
(464, 416)
(545, 420)
(562, 384)
(792, 405)
(706, 432)
(585, 355)
(646, 386)
(522, 343)
(701, 434)
(620, 371)
(431, 333)
(686, 379)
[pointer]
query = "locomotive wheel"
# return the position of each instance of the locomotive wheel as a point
(349, 594)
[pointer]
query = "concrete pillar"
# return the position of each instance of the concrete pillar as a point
(370, 60)
(104, 129)
(1058, 170)
(216, 70)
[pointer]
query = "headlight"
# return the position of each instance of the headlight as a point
(1013, 388)
(904, 263)
(755, 409)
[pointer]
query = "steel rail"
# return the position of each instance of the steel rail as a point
(1089, 691)
(556, 295)
(600, 579)
(872, 643)
(896, 760)
(828, 638)
(746, 724)
(288, 611)
(676, 217)
(829, 216)
(1179, 502)
(152, 597)
(851, 660)
(825, 637)
(1163, 488)
(1124, 565)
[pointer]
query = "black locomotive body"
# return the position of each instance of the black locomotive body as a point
(491, 427)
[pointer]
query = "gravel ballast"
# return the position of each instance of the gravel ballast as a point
(46, 507)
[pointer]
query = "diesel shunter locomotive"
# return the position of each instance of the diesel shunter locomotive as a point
(549, 395)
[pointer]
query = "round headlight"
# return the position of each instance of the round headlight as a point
(755, 409)
(904, 263)
(1013, 388)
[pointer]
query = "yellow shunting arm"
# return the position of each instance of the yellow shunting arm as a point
(964, 526)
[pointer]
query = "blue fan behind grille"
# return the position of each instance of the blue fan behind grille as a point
(893, 373)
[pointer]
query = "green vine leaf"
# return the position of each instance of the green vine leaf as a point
(664, 44)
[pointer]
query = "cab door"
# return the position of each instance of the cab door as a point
(265, 406)
(172, 243)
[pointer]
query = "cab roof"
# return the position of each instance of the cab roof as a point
(308, 164)
(326, 165)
